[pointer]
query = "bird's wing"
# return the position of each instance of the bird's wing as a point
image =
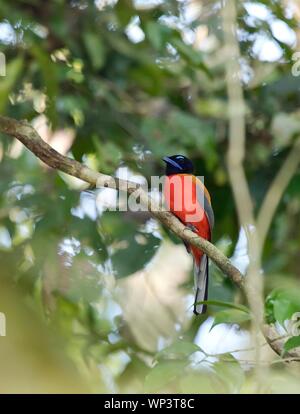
(203, 198)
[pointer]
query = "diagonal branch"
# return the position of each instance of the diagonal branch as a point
(25, 133)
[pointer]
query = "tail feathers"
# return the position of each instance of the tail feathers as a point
(201, 284)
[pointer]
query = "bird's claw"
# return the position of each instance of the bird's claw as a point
(192, 227)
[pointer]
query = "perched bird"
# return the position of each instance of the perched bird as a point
(188, 199)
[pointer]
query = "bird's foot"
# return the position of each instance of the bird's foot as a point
(192, 227)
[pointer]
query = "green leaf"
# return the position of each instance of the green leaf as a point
(162, 374)
(230, 373)
(49, 74)
(284, 309)
(153, 34)
(124, 11)
(108, 154)
(281, 304)
(191, 55)
(179, 349)
(198, 383)
(224, 305)
(95, 49)
(157, 34)
(231, 316)
(13, 71)
(291, 343)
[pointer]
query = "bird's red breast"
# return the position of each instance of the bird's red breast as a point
(188, 199)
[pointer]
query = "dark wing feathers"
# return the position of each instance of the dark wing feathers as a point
(205, 203)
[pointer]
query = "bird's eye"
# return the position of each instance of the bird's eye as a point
(179, 157)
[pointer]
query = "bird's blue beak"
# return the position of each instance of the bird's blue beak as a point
(172, 162)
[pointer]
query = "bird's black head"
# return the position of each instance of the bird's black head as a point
(178, 164)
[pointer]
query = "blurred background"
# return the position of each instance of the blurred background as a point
(101, 301)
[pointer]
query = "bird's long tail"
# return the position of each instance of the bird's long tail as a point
(201, 284)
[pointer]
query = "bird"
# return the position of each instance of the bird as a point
(189, 200)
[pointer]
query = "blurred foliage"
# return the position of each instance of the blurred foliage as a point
(136, 81)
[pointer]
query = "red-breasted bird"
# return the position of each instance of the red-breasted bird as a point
(188, 199)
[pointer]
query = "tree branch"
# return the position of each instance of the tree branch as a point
(256, 230)
(25, 133)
